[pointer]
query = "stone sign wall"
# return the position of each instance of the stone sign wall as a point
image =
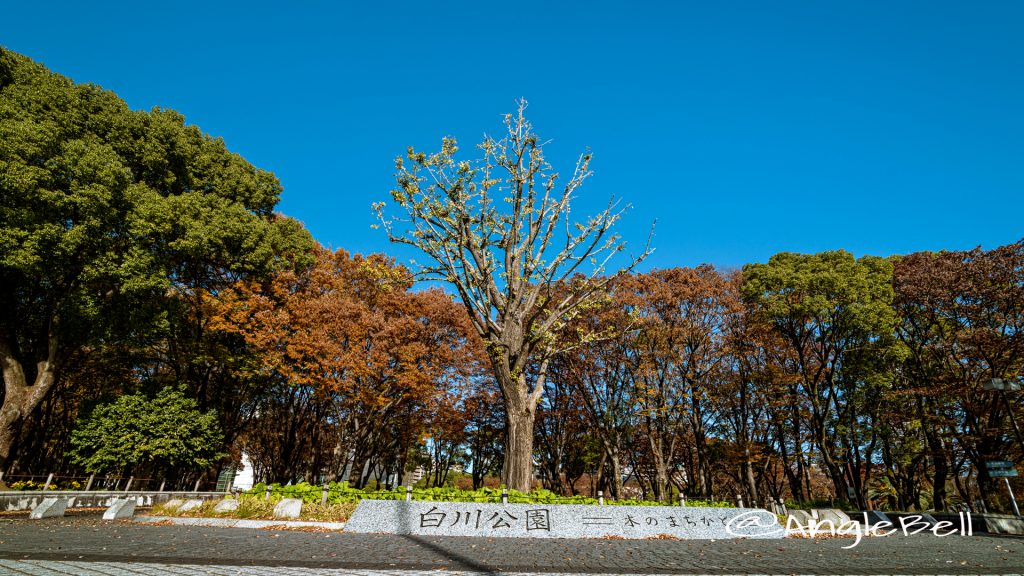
(560, 520)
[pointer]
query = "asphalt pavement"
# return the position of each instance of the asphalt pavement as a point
(88, 545)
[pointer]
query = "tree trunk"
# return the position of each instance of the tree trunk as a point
(478, 463)
(517, 472)
(20, 398)
(616, 483)
(792, 476)
(660, 481)
(939, 461)
(599, 482)
(748, 476)
(805, 474)
(520, 417)
(355, 475)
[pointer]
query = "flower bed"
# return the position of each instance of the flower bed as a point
(26, 485)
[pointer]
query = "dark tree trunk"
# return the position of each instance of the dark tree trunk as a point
(616, 475)
(517, 472)
(792, 476)
(940, 463)
(520, 418)
(20, 399)
(748, 476)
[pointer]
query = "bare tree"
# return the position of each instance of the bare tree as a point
(498, 229)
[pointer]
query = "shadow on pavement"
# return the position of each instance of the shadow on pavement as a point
(462, 562)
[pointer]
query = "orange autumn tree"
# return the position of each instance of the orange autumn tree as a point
(349, 330)
(681, 316)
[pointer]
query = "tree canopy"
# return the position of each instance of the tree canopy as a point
(105, 214)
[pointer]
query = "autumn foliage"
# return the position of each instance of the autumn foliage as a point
(387, 365)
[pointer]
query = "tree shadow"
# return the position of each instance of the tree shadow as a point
(405, 530)
(460, 562)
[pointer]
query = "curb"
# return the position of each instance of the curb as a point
(237, 523)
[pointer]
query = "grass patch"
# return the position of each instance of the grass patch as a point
(260, 508)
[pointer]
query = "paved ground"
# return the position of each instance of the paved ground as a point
(87, 545)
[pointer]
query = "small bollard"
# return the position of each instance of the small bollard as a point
(129, 484)
(49, 508)
(600, 497)
(88, 484)
(268, 493)
(782, 506)
(323, 495)
(408, 493)
(49, 480)
(739, 501)
(682, 499)
(504, 495)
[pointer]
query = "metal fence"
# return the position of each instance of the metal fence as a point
(96, 482)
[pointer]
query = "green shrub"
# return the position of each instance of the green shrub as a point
(342, 493)
(166, 432)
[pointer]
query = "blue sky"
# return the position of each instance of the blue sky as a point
(744, 128)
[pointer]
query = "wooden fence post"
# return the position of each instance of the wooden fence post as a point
(323, 495)
(600, 497)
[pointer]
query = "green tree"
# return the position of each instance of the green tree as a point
(165, 433)
(835, 314)
(107, 214)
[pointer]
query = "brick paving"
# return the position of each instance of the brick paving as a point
(79, 545)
